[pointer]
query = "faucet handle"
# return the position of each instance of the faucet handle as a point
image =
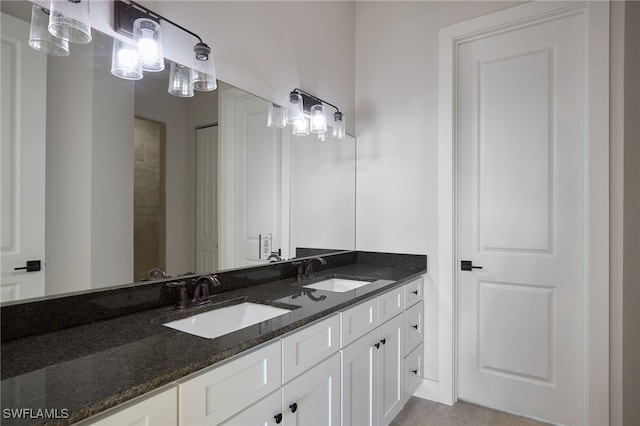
(182, 293)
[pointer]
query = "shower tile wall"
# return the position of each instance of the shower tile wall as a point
(149, 199)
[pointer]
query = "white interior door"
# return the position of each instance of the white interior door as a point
(207, 199)
(251, 182)
(22, 162)
(521, 217)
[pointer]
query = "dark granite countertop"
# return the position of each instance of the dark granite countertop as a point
(91, 367)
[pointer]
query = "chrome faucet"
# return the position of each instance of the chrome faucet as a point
(156, 273)
(305, 268)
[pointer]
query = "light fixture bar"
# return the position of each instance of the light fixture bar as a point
(309, 100)
(127, 12)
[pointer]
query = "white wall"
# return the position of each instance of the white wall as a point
(322, 193)
(397, 133)
(68, 188)
(89, 195)
(267, 48)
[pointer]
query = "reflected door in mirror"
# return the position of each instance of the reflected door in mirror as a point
(22, 162)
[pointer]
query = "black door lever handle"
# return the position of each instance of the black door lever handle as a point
(32, 266)
(467, 265)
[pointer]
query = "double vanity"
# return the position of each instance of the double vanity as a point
(342, 345)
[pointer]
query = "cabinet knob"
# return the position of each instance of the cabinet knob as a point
(415, 372)
(415, 326)
(278, 418)
(415, 292)
(294, 407)
(377, 345)
(383, 341)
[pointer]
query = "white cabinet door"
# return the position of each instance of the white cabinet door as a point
(221, 392)
(413, 371)
(391, 381)
(160, 409)
(313, 399)
(266, 412)
(360, 381)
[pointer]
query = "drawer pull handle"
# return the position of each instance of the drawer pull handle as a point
(415, 292)
(377, 345)
(278, 418)
(415, 326)
(294, 407)
(415, 372)
(383, 341)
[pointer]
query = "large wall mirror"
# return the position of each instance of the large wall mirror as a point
(104, 179)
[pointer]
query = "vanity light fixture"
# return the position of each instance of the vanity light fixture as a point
(143, 25)
(147, 35)
(307, 114)
(125, 62)
(39, 36)
(277, 116)
(70, 20)
(318, 119)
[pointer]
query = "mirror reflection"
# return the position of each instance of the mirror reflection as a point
(104, 179)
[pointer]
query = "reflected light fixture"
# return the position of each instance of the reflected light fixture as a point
(70, 20)
(307, 114)
(143, 25)
(180, 81)
(277, 116)
(39, 36)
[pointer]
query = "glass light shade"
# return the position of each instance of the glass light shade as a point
(70, 21)
(125, 62)
(318, 120)
(296, 111)
(180, 81)
(203, 76)
(277, 116)
(39, 36)
(300, 127)
(148, 36)
(338, 125)
(203, 82)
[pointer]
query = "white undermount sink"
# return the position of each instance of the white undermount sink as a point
(226, 320)
(338, 285)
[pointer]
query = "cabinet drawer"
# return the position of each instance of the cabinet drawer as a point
(413, 371)
(413, 292)
(390, 304)
(414, 327)
(358, 321)
(161, 408)
(303, 349)
(262, 413)
(217, 394)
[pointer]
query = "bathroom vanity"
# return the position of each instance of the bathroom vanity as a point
(316, 361)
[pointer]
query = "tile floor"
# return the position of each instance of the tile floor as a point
(420, 412)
